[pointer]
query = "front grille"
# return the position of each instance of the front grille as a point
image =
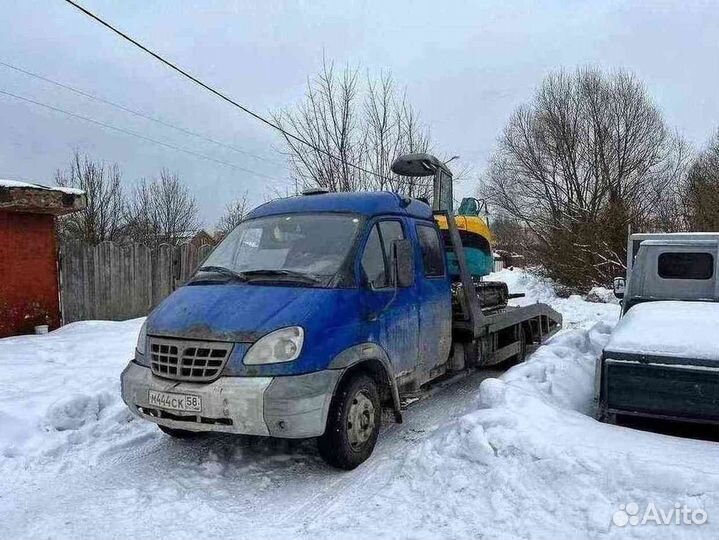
(181, 360)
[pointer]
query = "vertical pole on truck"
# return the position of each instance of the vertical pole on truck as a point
(442, 192)
(443, 204)
(473, 310)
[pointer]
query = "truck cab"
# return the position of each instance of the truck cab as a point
(307, 318)
(670, 266)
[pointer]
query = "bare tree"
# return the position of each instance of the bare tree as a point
(348, 120)
(510, 236)
(700, 196)
(235, 212)
(589, 156)
(161, 211)
(103, 217)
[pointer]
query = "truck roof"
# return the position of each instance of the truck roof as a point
(364, 203)
(676, 236)
(693, 242)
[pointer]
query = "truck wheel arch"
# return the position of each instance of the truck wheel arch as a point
(371, 359)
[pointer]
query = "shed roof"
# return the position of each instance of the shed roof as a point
(39, 199)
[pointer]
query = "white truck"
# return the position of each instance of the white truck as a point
(662, 360)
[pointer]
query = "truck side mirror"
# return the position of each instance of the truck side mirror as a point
(403, 262)
(619, 286)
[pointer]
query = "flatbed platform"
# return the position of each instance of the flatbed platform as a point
(498, 335)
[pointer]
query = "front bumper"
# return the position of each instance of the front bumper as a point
(288, 407)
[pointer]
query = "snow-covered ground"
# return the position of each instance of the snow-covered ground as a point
(496, 456)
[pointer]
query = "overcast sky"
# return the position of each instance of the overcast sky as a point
(465, 66)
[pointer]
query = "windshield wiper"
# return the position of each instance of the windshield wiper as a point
(224, 271)
(309, 278)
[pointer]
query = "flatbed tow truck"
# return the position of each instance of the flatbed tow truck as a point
(320, 311)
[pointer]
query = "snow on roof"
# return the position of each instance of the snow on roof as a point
(26, 185)
(669, 328)
(674, 236)
(689, 241)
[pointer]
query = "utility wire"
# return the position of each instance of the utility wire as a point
(133, 112)
(135, 134)
(220, 94)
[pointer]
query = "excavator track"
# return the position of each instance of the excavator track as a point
(493, 295)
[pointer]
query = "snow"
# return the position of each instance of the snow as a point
(669, 328)
(61, 389)
(601, 295)
(17, 184)
(499, 455)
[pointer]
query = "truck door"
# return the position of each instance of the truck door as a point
(435, 309)
(391, 315)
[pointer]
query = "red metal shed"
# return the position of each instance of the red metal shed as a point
(29, 277)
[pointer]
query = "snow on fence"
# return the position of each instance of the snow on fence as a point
(121, 281)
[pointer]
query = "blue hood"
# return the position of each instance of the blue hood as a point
(239, 312)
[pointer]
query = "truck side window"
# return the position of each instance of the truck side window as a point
(373, 262)
(390, 230)
(685, 265)
(432, 256)
(376, 257)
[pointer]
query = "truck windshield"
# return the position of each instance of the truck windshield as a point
(296, 247)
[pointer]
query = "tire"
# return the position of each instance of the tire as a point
(179, 433)
(347, 443)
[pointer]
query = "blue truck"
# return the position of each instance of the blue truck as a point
(317, 313)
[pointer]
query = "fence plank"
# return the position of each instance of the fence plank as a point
(116, 282)
(162, 273)
(203, 253)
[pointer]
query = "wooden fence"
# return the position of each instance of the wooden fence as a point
(120, 281)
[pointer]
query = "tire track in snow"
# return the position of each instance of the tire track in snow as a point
(420, 420)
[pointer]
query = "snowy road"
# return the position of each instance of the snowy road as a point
(515, 457)
(223, 484)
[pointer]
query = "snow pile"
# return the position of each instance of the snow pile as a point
(531, 462)
(601, 295)
(576, 311)
(535, 287)
(670, 328)
(61, 389)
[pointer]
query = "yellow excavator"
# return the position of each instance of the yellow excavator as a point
(473, 230)
(476, 237)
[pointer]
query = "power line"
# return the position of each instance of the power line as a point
(220, 94)
(135, 134)
(132, 111)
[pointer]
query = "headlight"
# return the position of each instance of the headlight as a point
(142, 339)
(283, 345)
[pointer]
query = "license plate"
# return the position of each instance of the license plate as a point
(175, 402)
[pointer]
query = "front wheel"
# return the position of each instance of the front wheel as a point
(352, 424)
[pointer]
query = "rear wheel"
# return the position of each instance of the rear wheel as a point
(352, 424)
(179, 433)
